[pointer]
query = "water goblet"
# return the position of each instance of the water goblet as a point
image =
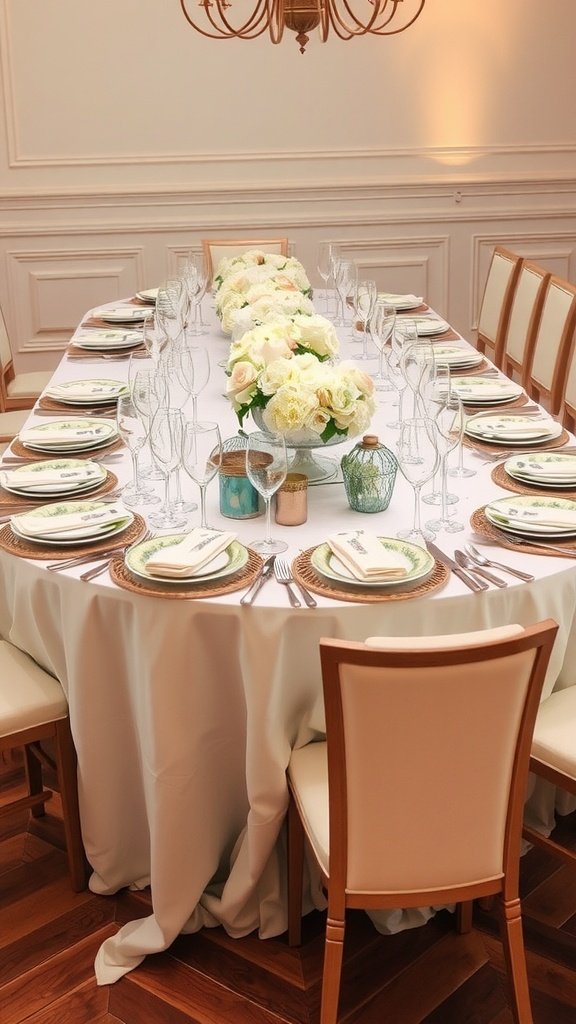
(381, 328)
(417, 456)
(133, 430)
(201, 456)
(449, 423)
(266, 467)
(166, 442)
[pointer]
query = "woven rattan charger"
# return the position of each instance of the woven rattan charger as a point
(305, 574)
(503, 479)
(122, 576)
(8, 500)
(484, 528)
(30, 549)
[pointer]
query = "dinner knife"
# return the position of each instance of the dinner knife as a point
(265, 573)
(473, 584)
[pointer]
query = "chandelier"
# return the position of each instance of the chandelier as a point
(347, 18)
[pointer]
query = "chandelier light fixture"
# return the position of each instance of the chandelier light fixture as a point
(346, 18)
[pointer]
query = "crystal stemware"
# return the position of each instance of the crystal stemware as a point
(133, 430)
(266, 467)
(344, 274)
(381, 327)
(366, 296)
(417, 456)
(166, 443)
(324, 267)
(195, 372)
(449, 423)
(201, 457)
(154, 337)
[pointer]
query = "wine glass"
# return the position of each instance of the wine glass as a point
(201, 456)
(196, 285)
(148, 393)
(266, 467)
(449, 423)
(195, 372)
(344, 274)
(432, 396)
(169, 314)
(324, 266)
(366, 296)
(166, 443)
(170, 383)
(399, 383)
(133, 430)
(417, 456)
(155, 337)
(417, 362)
(381, 328)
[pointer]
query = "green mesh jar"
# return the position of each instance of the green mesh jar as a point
(369, 473)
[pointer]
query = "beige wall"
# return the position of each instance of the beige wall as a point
(125, 138)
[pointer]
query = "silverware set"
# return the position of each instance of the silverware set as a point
(280, 569)
(104, 557)
(472, 567)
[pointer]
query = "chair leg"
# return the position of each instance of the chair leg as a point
(515, 956)
(295, 846)
(34, 779)
(464, 912)
(67, 777)
(333, 955)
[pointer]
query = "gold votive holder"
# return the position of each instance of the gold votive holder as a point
(292, 500)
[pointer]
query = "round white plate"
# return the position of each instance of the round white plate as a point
(479, 390)
(148, 295)
(63, 488)
(419, 563)
(401, 302)
(121, 314)
(456, 356)
(225, 564)
(520, 467)
(523, 504)
(430, 325)
(500, 430)
(107, 434)
(107, 345)
(77, 536)
(99, 391)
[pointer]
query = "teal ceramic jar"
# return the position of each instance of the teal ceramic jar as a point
(238, 498)
(369, 473)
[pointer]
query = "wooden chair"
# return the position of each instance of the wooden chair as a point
(17, 390)
(568, 412)
(215, 249)
(525, 312)
(416, 798)
(33, 709)
(554, 758)
(551, 345)
(497, 299)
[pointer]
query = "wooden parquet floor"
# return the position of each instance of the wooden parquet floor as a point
(49, 937)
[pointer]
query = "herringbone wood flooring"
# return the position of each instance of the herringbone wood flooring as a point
(49, 936)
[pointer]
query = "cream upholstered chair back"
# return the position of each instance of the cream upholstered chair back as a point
(215, 249)
(417, 796)
(554, 759)
(17, 391)
(524, 317)
(552, 344)
(497, 298)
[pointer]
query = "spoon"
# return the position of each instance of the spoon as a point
(467, 563)
(477, 556)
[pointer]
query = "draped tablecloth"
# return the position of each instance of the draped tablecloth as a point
(184, 713)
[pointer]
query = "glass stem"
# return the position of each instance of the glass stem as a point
(444, 478)
(202, 505)
(400, 406)
(417, 525)
(166, 507)
(268, 520)
(134, 456)
(194, 409)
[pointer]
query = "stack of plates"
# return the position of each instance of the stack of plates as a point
(544, 469)
(418, 561)
(225, 564)
(68, 436)
(87, 392)
(401, 302)
(457, 357)
(486, 390)
(533, 517)
(514, 431)
(53, 476)
(72, 522)
(148, 295)
(426, 325)
(121, 314)
(102, 341)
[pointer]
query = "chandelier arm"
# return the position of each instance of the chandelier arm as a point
(380, 30)
(275, 19)
(251, 29)
(344, 30)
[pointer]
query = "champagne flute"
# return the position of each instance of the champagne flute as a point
(147, 390)
(197, 283)
(134, 432)
(201, 457)
(323, 266)
(155, 337)
(417, 362)
(417, 456)
(166, 443)
(344, 273)
(170, 309)
(399, 383)
(366, 296)
(449, 423)
(173, 388)
(195, 372)
(432, 396)
(266, 467)
(381, 328)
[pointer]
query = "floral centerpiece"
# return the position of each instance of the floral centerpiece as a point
(284, 371)
(262, 285)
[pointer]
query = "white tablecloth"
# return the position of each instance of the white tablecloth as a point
(184, 713)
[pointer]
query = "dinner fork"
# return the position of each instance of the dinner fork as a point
(286, 573)
(284, 576)
(97, 570)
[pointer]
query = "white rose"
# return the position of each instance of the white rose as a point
(318, 334)
(289, 409)
(244, 376)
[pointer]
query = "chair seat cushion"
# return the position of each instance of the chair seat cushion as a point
(29, 696)
(554, 740)
(25, 384)
(308, 774)
(11, 423)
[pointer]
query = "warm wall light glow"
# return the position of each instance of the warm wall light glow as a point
(346, 18)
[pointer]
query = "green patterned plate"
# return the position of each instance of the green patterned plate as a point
(227, 562)
(419, 563)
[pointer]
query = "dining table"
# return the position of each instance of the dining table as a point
(185, 704)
